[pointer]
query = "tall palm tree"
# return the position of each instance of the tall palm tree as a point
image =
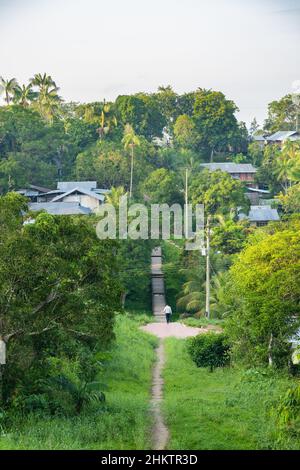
(130, 141)
(42, 81)
(48, 101)
(286, 164)
(24, 95)
(8, 87)
(107, 120)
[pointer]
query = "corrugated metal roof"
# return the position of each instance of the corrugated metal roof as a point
(257, 190)
(281, 136)
(92, 194)
(261, 214)
(230, 167)
(60, 208)
(259, 138)
(68, 185)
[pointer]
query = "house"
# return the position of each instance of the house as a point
(70, 197)
(256, 195)
(260, 139)
(260, 215)
(281, 136)
(84, 197)
(33, 192)
(60, 208)
(243, 171)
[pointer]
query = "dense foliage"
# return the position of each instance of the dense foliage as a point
(59, 292)
(209, 350)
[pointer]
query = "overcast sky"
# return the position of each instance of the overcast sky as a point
(97, 49)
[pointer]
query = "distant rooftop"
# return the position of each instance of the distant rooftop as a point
(82, 190)
(281, 136)
(60, 208)
(230, 167)
(261, 214)
(67, 185)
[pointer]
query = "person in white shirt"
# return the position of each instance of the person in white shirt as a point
(168, 313)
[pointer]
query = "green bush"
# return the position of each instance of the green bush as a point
(209, 350)
(287, 413)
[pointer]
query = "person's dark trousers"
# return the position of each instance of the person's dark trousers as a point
(168, 317)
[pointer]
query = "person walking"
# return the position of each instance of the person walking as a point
(168, 313)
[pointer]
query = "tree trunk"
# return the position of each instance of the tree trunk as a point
(123, 299)
(270, 350)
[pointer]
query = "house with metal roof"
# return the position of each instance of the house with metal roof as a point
(260, 215)
(73, 196)
(243, 171)
(82, 196)
(281, 136)
(60, 208)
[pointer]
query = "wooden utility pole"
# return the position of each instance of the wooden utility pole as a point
(131, 173)
(207, 253)
(186, 205)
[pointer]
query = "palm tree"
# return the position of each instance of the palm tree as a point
(107, 120)
(48, 102)
(8, 87)
(115, 195)
(43, 81)
(130, 140)
(286, 164)
(24, 95)
(81, 393)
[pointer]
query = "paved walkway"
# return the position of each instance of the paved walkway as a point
(177, 330)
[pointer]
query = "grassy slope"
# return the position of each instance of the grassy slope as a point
(123, 424)
(226, 409)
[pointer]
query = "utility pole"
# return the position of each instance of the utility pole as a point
(131, 172)
(207, 293)
(186, 205)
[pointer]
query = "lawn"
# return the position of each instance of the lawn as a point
(122, 423)
(227, 409)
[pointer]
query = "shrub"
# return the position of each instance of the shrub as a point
(287, 416)
(209, 350)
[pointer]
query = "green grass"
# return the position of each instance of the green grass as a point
(227, 409)
(198, 322)
(123, 423)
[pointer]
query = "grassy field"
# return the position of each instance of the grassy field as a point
(202, 322)
(226, 409)
(122, 423)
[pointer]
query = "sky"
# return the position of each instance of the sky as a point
(97, 49)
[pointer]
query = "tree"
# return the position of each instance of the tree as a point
(263, 296)
(229, 236)
(107, 121)
(219, 192)
(255, 153)
(254, 127)
(184, 131)
(167, 101)
(50, 273)
(24, 95)
(8, 88)
(291, 199)
(282, 115)
(216, 125)
(142, 113)
(48, 101)
(162, 187)
(287, 164)
(130, 141)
